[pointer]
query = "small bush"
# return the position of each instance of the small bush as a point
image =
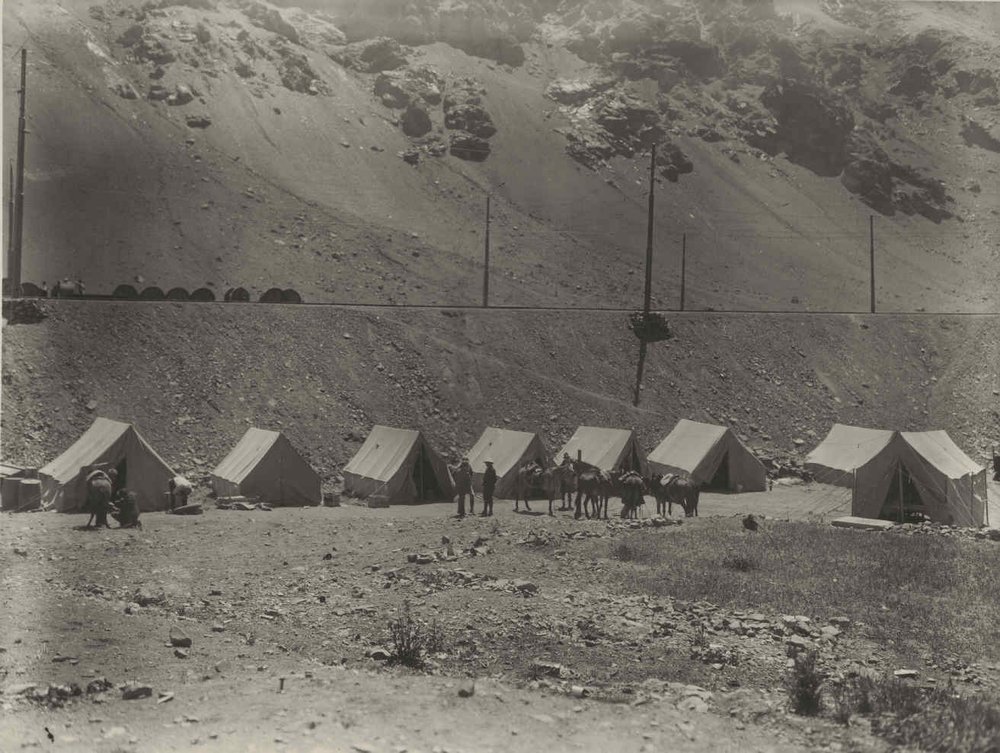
(700, 637)
(743, 563)
(624, 552)
(411, 640)
(805, 685)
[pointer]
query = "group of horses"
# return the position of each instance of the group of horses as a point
(586, 489)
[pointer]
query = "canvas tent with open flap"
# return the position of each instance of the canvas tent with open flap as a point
(264, 464)
(508, 450)
(603, 448)
(711, 455)
(111, 444)
(905, 474)
(397, 466)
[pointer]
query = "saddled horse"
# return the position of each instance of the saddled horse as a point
(529, 476)
(559, 482)
(632, 487)
(670, 489)
(591, 484)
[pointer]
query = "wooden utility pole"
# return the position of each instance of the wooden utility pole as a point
(684, 239)
(649, 235)
(871, 253)
(486, 258)
(14, 268)
(17, 225)
(10, 210)
(648, 292)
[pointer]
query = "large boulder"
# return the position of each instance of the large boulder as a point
(631, 124)
(813, 127)
(271, 20)
(399, 88)
(470, 117)
(975, 134)
(371, 56)
(469, 147)
(575, 91)
(415, 122)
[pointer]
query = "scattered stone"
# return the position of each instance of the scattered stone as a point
(796, 645)
(134, 690)
(525, 587)
(198, 121)
(467, 689)
(543, 668)
(181, 653)
(178, 638)
(906, 674)
(378, 654)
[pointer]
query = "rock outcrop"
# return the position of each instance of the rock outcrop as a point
(813, 127)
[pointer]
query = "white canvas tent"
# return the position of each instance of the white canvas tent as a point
(906, 472)
(607, 449)
(711, 455)
(399, 466)
(264, 464)
(844, 450)
(508, 450)
(110, 443)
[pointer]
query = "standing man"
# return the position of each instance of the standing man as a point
(489, 484)
(463, 485)
(180, 488)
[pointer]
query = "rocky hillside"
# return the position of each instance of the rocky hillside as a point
(345, 148)
(193, 378)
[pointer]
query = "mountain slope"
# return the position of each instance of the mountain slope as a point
(194, 377)
(260, 150)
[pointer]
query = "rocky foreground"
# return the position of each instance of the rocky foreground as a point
(210, 629)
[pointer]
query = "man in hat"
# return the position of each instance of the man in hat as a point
(462, 473)
(489, 484)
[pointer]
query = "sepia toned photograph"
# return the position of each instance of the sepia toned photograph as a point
(500, 376)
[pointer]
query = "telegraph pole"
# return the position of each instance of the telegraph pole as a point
(684, 239)
(649, 234)
(14, 268)
(486, 258)
(647, 294)
(871, 254)
(10, 210)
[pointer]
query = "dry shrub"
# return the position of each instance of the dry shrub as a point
(805, 685)
(412, 640)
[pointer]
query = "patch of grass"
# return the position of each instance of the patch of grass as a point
(805, 685)
(917, 718)
(910, 592)
(412, 640)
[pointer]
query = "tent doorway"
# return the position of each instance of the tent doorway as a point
(425, 481)
(909, 509)
(121, 482)
(720, 479)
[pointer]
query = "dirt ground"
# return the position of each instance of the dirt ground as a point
(304, 595)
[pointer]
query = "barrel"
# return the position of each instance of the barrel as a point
(9, 493)
(29, 494)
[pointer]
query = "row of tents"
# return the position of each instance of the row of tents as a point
(263, 464)
(887, 471)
